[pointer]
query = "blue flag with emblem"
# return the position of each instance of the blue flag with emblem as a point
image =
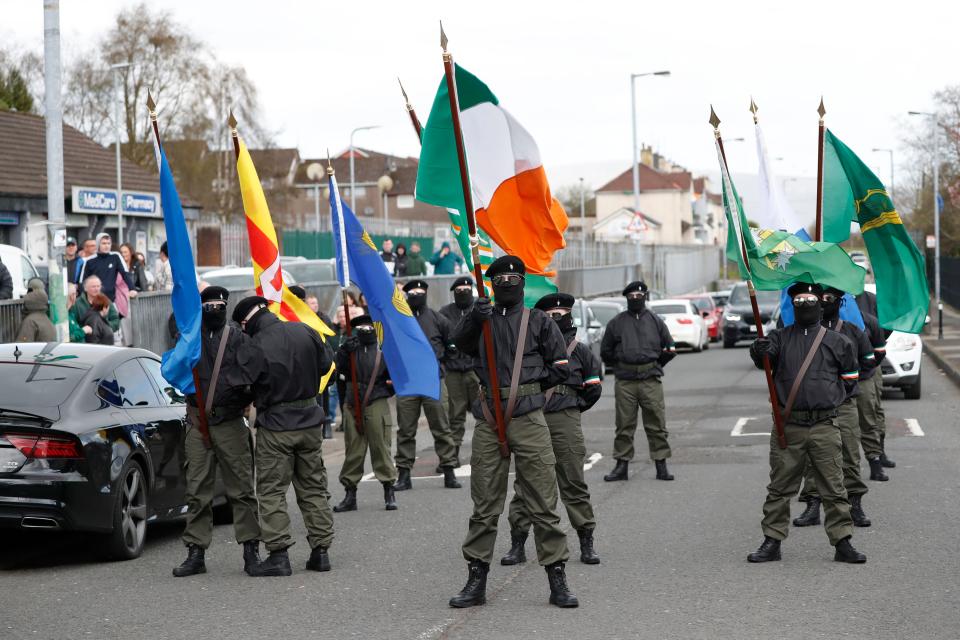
(178, 363)
(410, 358)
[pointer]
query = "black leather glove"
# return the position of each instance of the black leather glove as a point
(351, 344)
(451, 350)
(665, 357)
(482, 310)
(760, 347)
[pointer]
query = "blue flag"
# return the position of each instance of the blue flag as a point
(849, 311)
(410, 358)
(178, 363)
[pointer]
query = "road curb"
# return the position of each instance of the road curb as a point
(945, 365)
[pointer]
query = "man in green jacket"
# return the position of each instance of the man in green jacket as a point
(445, 261)
(416, 263)
(91, 288)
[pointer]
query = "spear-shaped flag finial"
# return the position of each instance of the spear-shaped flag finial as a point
(404, 92)
(151, 106)
(714, 119)
(443, 38)
(753, 109)
(821, 110)
(329, 164)
(232, 123)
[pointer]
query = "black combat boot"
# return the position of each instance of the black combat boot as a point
(389, 499)
(860, 519)
(769, 551)
(559, 591)
(516, 555)
(876, 470)
(450, 479)
(276, 564)
(319, 559)
(884, 460)
(403, 480)
(846, 553)
(810, 515)
(588, 554)
(194, 563)
(475, 591)
(662, 473)
(619, 471)
(349, 502)
(251, 555)
(328, 430)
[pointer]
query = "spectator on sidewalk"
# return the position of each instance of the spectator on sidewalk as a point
(92, 287)
(88, 249)
(389, 257)
(135, 267)
(163, 276)
(76, 333)
(108, 266)
(401, 269)
(416, 263)
(71, 257)
(94, 322)
(36, 326)
(445, 261)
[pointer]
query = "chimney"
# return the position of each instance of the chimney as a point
(646, 156)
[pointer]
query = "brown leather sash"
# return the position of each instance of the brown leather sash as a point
(807, 361)
(514, 377)
(373, 378)
(552, 390)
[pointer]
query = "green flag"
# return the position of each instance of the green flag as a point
(852, 193)
(775, 259)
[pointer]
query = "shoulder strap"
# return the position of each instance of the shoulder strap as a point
(549, 393)
(807, 361)
(517, 365)
(211, 390)
(373, 378)
(839, 324)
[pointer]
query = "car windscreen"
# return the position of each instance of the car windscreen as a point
(42, 385)
(664, 309)
(604, 313)
(739, 296)
(311, 272)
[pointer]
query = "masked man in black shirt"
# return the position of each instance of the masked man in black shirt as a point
(462, 383)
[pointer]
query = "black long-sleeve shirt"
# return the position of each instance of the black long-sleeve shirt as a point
(233, 391)
(437, 330)
(878, 338)
(866, 361)
(583, 379)
(456, 360)
(637, 338)
(366, 357)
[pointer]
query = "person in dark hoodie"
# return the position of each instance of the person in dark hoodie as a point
(36, 326)
(106, 265)
(565, 402)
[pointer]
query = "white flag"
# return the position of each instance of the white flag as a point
(774, 211)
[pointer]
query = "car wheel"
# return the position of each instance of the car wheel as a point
(698, 347)
(125, 542)
(913, 391)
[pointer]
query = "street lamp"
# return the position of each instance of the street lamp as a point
(633, 111)
(936, 216)
(118, 98)
(385, 184)
(583, 226)
(890, 151)
(353, 195)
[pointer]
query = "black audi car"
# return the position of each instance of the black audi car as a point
(91, 439)
(737, 319)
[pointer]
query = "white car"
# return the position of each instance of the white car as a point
(901, 367)
(685, 323)
(20, 266)
(238, 277)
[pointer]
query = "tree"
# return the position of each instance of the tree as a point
(14, 94)
(569, 197)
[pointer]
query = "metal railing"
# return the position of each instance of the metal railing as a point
(11, 315)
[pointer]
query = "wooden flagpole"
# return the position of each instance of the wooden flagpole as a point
(449, 73)
(821, 129)
(414, 120)
(767, 368)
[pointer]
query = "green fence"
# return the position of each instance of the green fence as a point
(311, 244)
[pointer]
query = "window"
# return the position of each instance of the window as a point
(168, 394)
(45, 385)
(666, 309)
(136, 390)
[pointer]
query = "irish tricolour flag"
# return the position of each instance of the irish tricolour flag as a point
(511, 196)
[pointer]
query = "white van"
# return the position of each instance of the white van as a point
(21, 268)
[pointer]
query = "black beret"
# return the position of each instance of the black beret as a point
(214, 292)
(636, 285)
(246, 305)
(359, 320)
(416, 284)
(555, 300)
(462, 281)
(298, 291)
(837, 292)
(506, 264)
(804, 287)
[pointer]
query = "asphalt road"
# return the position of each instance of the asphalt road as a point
(673, 553)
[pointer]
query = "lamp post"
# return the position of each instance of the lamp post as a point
(118, 99)
(890, 151)
(583, 226)
(353, 195)
(385, 184)
(936, 215)
(633, 112)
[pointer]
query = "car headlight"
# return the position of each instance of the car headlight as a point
(903, 343)
(732, 317)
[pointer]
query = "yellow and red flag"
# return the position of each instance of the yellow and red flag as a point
(265, 253)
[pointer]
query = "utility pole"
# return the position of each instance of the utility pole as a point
(57, 232)
(936, 214)
(116, 110)
(583, 227)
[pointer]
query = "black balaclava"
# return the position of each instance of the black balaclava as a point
(463, 299)
(253, 324)
(417, 301)
(366, 336)
(832, 310)
(508, 295)
(807, 316)
(636, 305)
(214, 320)
(565, 322)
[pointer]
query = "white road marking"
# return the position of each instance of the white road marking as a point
(592, 460)
(913, 426)
(738, 428)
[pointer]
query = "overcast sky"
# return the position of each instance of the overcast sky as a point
(562, 68)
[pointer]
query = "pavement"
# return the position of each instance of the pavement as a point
(673, 553)
(944, 352)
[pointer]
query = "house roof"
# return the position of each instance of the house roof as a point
(23, 160)
(369, 166)
(650, 180)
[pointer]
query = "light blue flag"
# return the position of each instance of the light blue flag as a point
(849, 311)
(178, 363)
(410, 358)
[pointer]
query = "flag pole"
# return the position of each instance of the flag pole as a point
(201, 408)
(821, 129)
(474, 241)
(342, 240)
(414, 120)
(767, 368)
